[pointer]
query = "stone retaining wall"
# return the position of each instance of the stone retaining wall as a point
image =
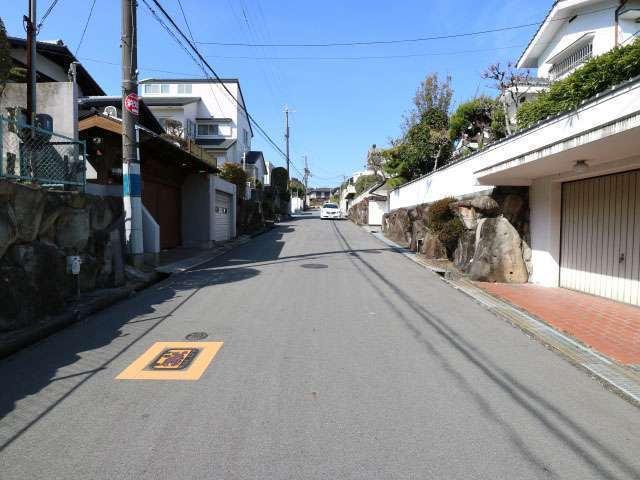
(359, 213)
(39, 228)
(493, 245)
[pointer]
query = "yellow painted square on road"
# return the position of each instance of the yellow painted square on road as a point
(172, 361)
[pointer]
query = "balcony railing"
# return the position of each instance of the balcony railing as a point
(571, 61)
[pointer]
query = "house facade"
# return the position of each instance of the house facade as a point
(203, 111)
(581, 167)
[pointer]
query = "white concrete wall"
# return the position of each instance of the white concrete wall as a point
(545, 210)
(455, 181)
(58, 99)
(151, 236)
(296, 204)
(377, 209)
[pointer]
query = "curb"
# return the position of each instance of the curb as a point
(616, 378)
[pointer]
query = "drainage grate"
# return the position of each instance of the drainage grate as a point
(197, 336)
(314, 265)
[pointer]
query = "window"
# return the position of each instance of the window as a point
(207, 130)
(157, 88)
(184, 88)
(245, 134)
(571, 60)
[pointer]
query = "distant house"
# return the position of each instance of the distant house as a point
(318, 196)
(255, 166)
(203, 111)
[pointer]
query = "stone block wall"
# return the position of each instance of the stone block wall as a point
(39, 229)
(359, 213)
(493, 244)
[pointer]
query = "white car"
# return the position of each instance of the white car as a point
(330, 210)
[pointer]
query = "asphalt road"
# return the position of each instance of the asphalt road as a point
(341, 360)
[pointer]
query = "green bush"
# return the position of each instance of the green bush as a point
(442, 221)
(595, 76)
(279, 179)
(439, 212)
(365, 182)
(267, 209)
(235, 174)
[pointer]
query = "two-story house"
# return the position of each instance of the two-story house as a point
(202, 110)
(581, 167)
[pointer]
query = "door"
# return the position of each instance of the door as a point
(223, 217)
(163, 203)
(600, 247)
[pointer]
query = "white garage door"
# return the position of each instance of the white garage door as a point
(223, 217)
(601, 236)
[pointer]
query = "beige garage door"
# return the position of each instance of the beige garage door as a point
(223, 217)
(601, 236)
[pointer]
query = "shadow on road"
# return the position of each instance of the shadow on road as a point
(40, 377)
(556, 423)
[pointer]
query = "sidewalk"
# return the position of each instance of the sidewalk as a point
(609, 327)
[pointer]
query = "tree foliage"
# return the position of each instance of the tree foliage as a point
(595, 76)
(423, 148)
(433, 94)
(478, 120)
(365, 182)
(235, 174)
(297, 187)
(5, 57)
(279, 179)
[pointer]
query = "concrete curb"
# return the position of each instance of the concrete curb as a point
(613, 376)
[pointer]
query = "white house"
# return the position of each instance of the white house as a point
(582, 167)
(205, 112)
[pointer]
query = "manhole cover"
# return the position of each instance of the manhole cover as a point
(314, 265)
(196, 336)
(174, 359)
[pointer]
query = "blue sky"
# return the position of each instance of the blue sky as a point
(341, 106)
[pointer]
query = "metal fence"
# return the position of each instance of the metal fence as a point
(34, 155)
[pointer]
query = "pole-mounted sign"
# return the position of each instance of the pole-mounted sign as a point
(132, 104)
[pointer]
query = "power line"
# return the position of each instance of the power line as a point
(205, 63)
(186, 22)
(84, 30)
(47, 13)
(404, 40)
(371, 57)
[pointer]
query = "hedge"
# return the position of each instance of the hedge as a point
(595, 76)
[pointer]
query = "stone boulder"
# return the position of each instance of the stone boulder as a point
(498, 255)
(73, 230)
(418, 231)
(512, 208)
(8, 228)
(398, 227)
(463, 255)
(28, 205)
(31, 284)
(485, 206)
(432, 247)
(466, 213)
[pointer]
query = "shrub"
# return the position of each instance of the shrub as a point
(279, 179)
(439, 212)
(365, 182)
(442, 221)
(235, 174)
(267, 209)
(595, 76)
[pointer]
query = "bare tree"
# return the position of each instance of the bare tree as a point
(433, 94)
(375, 161)
(512, 83)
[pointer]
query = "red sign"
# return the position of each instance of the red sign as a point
(131, 103)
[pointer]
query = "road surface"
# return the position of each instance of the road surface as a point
(341, 359)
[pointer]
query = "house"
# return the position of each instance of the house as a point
(581, 168)
(317, 196)
(204, 111)
(184, 203)
(61, 80)
(256, 167)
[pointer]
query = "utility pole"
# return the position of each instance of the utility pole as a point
(32, 70)
(132, 181)
(286, 136)
(307, 174)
